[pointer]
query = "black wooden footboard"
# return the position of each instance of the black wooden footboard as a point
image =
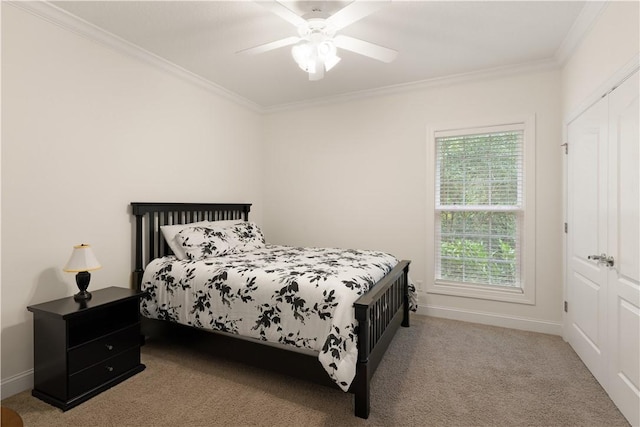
(379, 313)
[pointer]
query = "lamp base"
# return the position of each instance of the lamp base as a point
(82, 280)
(82, 296)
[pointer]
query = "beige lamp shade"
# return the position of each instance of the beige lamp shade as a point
(82, 259)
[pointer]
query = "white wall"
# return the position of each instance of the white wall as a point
(85, 131)
(354, 175)
(612, 42)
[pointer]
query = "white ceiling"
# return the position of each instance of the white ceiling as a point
(434, 39)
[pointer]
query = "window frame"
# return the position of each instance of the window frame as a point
(525, 294)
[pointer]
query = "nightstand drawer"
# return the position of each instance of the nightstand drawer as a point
(103, 372)
(100, 349)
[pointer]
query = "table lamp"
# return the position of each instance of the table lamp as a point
(82, 261)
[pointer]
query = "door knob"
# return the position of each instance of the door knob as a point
(603, 259)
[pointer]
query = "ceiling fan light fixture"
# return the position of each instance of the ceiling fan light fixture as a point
(311, 67)
(326, 49)
(327, 52)
(301, 53)
(315, 48)
(331, 62)
(314, 53)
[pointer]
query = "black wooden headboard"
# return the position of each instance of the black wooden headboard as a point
(151, 216)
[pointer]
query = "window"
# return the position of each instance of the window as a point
(479, 215)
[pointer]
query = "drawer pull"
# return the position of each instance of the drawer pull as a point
(109, 368)
(109, 347)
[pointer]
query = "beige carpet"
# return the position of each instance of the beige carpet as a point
(436, 373)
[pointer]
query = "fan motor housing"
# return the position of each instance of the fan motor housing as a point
(316, 26)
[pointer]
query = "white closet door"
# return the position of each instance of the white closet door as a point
(624, 246)
(587, 235)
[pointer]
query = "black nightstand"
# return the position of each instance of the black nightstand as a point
(84, 348)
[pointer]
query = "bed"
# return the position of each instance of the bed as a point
(381, 306)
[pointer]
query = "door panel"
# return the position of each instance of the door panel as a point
(585, 319)
(624, 245)
(586, 331)
(586, 215)
(629, 368)
(585, 188)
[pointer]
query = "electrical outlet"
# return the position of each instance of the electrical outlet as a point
(418, 285)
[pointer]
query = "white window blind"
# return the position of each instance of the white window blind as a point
(479, 205)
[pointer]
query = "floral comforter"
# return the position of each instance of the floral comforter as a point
(300, 297)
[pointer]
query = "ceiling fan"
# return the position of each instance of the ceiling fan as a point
(315, 47)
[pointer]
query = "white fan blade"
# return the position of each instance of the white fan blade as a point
(270, 46)
(354, 12)
(283, 12)
(365, 48)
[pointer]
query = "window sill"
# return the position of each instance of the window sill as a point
(514, 295)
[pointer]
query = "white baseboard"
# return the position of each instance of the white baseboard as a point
(17, 384)
(501, 320)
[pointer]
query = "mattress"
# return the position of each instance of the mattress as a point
(298, 297)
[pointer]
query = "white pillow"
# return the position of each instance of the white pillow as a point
(247, 237)
(205, 242)
(170, 231)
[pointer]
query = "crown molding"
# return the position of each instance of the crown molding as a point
(474, 76)
(580, 28)
(64, 19)
(70, 22)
